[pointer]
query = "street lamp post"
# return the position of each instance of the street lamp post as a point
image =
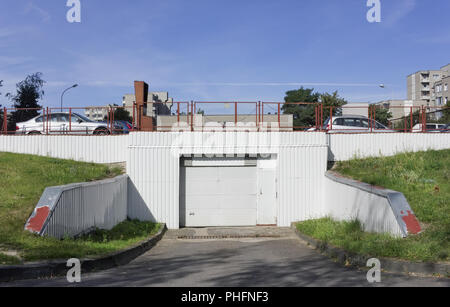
(62, 95)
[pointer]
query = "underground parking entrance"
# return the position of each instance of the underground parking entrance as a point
(228, 191)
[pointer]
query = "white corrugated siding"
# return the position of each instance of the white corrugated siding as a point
(153, 167)
(97, 149)
(82, 207)
(347, 146)
(153, 162)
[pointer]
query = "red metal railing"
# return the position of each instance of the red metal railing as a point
(263, 116)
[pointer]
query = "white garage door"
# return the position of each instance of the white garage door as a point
(218, 196)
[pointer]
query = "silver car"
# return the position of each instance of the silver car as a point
(62, 123)
(354, 124)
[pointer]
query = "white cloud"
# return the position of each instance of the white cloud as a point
(32, 7)
(399, 10)
(13, 60)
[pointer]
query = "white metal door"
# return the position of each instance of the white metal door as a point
(218, 196)
(267, 197)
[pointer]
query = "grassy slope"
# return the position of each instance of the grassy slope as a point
(424, 178)
(23, 179)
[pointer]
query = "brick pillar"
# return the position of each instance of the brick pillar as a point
(144, 123)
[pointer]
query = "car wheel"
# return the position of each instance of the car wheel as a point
(102, 131)
(34, 133)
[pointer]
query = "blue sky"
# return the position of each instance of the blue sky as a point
(221, 50)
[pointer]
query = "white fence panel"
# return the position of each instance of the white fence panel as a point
(97, 149)
(348, 146)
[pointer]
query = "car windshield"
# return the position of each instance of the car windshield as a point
(84, 118)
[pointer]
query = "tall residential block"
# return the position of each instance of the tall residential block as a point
(421, 86)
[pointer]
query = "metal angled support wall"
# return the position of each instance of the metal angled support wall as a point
(377, 209)
(75, 209)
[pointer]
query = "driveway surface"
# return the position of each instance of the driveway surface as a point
(276, 258)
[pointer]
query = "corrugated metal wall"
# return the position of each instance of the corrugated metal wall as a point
(153, 167)
(97, 149)
(347, 146)
(113, 149)
(82, 207)
(153, 162)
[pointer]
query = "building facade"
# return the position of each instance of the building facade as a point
(442, 92)
(98, 113)
(162, 103)
(356, 108)
(200, 122)
(421, 86)
(400, 108)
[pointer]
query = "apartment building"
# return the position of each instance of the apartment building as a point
(421, 86)
(97, 113)
(399, 108)
(163, 103)
(441, 90)
(356, 108)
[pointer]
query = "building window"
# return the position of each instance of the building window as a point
(446, 87)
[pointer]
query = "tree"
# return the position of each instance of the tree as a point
(445, 119)
(334, 101)
(382, 115)
(304, 115)
(29, 92)
(405, 122)
(122, 114)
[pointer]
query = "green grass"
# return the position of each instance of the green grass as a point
(100, 242)
(424, 179)
(5, 259)
(23, 179)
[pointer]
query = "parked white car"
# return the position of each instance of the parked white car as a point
(429, 128)
(62, 123)
(354, 124)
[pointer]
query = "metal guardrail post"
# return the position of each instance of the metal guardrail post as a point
(192, 115)
(5, 120)
(279, 115)
(235, 114)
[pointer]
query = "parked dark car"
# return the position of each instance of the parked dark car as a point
(446, 129)
(121, 126)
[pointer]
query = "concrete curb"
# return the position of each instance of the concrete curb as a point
(388, 265)
(49, 269)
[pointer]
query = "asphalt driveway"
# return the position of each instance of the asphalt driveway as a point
(280, 259)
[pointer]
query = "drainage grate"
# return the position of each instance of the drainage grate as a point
(226, 237)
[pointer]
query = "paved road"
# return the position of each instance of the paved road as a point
(283, 261)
